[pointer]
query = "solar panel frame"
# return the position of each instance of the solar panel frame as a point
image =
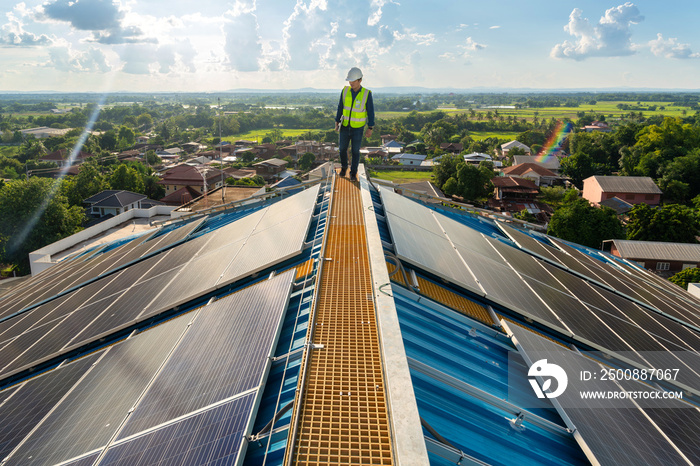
(87, 418)
(225, 352)
(217, 432)
(34, 399)
(605, 433)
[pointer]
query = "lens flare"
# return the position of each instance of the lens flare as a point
(555, 141)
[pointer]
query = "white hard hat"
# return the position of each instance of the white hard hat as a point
(354, 74)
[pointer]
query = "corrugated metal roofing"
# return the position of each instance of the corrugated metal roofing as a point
(625, 184)
(656, 250)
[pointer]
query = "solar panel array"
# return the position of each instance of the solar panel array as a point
(96, 295)
(181, 391)
(623, 433)
(600, 306)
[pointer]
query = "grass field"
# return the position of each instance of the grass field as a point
(259, 134)
(401, 176)
(609, 109)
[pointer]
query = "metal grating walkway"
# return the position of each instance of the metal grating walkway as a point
(343, 416)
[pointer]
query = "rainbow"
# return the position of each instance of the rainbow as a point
(555, 141)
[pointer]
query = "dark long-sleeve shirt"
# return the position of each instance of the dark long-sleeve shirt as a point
(369, 107)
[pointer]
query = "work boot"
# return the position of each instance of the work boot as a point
(353, 176)
(343, 171)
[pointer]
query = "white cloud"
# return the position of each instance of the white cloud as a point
(611, 37)
(63, 58)
(495, 27)
(671, 48)
(149, 59)
(86, 15)
(13, 33)
(243, 46)
(337, 34)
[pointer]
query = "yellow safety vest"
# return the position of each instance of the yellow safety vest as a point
(355, 113)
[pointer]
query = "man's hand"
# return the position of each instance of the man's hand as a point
(337, 126)
(368, 133)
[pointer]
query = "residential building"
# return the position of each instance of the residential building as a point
(387, 138)
(662, 258)
(632, 189)
(61, 157)
(550, 163)
(270, 169)
(475, 158)
(513, 194)
(452, 147)
(506, 148)
(409, 159)
(597, 126)
(182, 176)
(539, 175)
(44, 132)
(113, 202)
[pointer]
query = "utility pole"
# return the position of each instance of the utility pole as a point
(221, 157)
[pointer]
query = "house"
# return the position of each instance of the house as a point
(409, 159)
(173, 153)
(61, 158)
(265, 151)
(270, 169)
(513, 194)
(664, 259)
(597, 126)
(192, 147)
(142, 139)
(532, 171)
(620, 206)
(392, 147)
(387, 138)
(452, 147)
(550, 163)
(43, 132)
(113, 202)
(633, 189)
(181, 196)
(239, 174)
(182, 176)
(476, 158)
(505, 148)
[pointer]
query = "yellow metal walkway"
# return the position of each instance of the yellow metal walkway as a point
(343, 416)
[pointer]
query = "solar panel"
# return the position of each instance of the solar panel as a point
(31, 401)
(213, 437)
(611, 434)
(410, 211)
(224, 353)
(87, 418)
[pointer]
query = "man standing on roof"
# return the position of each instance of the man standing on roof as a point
(355, 110)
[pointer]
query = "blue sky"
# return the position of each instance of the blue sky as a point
(208, 45)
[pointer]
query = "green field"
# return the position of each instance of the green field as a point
(259, 134)
(401, 176)
(609, 109)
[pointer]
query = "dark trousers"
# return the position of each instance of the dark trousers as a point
(347, 136)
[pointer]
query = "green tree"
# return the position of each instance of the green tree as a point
(88, 182)
(581, 223)
(672, 223)
(127, 178)
(307, 161)
(34, 213)
(145, 121)
(127, 137)
(686, 276)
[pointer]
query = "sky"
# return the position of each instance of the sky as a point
(214, 45)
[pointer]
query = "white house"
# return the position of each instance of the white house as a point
(409, 159)
(505, 148)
